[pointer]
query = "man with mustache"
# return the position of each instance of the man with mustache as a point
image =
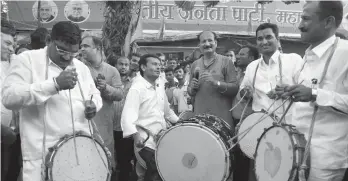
(217, 83)
(323, 87)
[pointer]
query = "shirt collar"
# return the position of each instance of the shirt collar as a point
(274, 58)
(146, 83)
(322, 47)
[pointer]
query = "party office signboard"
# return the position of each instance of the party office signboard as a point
(233, 17)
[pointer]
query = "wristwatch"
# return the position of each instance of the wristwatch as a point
(314, 94)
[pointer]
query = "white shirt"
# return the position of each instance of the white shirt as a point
(180, 96)
(148, 107)
(6, 114)
(329, 148)
(268, 76)
(27, 89)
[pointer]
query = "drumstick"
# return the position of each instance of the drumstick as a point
(73, 126)
(90, 121)
(241, 99)
(286, 111)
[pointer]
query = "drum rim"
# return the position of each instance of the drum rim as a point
(52, 151)
(237, 131)
(186, 112)
(294, 167)
(228, 160)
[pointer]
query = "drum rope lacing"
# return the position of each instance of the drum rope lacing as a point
(263, 117)
(303, 167)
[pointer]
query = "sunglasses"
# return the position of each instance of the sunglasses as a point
(63, 52)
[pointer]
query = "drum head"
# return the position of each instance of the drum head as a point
(191, 152)
(275, 155)
(91, 163)
(248, 141)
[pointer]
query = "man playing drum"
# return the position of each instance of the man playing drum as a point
(272, 69)
(38, 85)
(261, 77)
(147, 107)
(324, 78)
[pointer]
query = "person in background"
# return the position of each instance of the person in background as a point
(181, 99)
(187, 59)
(123, 146)
(216, 84)
(108, 81)
(162, 57)
(245, 56)
(187, 70)
(27, 87)
(172, 63)
(9, 138)
(134, 66)
(21, 48)
(147, 107)
(39, 38)
(170, 84)
(169, 72)
(230, 54)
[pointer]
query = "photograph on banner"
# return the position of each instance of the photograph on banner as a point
(48, 11)
(77, 11)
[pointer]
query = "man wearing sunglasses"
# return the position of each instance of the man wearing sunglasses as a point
(39, 84)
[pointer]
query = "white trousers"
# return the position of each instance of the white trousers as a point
(32, 170)
(326, 174)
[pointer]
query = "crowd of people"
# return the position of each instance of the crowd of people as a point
(130, 97)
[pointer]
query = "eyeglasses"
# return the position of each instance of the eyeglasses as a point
(63, 52)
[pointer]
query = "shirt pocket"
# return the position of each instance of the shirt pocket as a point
(217, 75)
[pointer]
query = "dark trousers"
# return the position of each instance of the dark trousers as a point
(148, 155)
(124, 154)
(345, 176)
(11, 160)
(242, 168)
(241, 171)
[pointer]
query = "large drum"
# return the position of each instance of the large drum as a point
(196, 149)
(279, 154)
(253, 128)
(94, 160)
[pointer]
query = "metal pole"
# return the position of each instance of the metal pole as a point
(38, 13)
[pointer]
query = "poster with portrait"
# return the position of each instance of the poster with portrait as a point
(48, 11)
(77, 11)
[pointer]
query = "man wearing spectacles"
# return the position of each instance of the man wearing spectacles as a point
(38, 85)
